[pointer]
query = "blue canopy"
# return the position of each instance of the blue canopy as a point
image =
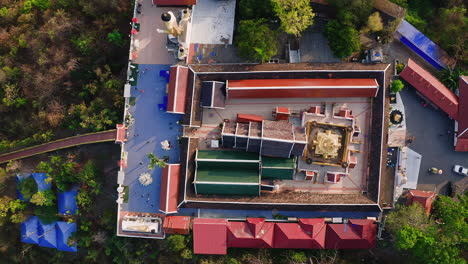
(40, 180)
(67, 201)
(47, 235)
(64, 231)
(29, 230)
(423, 46)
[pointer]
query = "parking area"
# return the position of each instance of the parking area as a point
(432, 130)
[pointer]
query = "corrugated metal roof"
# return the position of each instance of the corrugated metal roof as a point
(169, 188)
(177, 90)
(293, 88)
(431, 87)
(210, 236)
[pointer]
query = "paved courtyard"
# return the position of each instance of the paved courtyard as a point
(429, 127)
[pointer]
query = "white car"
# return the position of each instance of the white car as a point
(460, 170)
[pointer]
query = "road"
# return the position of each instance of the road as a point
(59, 144)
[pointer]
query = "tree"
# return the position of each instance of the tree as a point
(115, 38)
(452, 216)
(254, 9)
(343, 40)
(44, 198)
(374, 22)
(47, 214)
(353, 13)
(413, 216)
(295, 15)
(397, 86)
(28, 187)
(176, 243)
(255, 40)
(154, 161)
(450, 77)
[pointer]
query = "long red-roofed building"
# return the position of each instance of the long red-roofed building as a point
(431, 88)
(169, 188)
(177, 89)
(424, 198)
(300, 88)
(461, 143)
(356, 234)
(308, 233)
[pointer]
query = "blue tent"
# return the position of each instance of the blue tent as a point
(47, 235)
(29, 230)
(423, 46)
(67, 201)
(64, 231)
(41, 183)
(19, 179)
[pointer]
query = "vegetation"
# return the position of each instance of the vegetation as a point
(255, 40)
(450, 77)
(374, 22)
(59, 68)
(397, 86)
(295, 15)
(44, 198)
(62, 170)
(155, 161)
(342, 39)
(430, 241)
(253, 9)
(27, 188)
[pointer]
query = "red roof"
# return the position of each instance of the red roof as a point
(174, 2)
(174, 224)
(177, 90)
(255, 233)
(424, 198)
(309, 233)
(209, 236)
(356, 234)
(431, 88)
(245, 118)
(298, 88)
(462, 144)
(463, 114)
(169, 188)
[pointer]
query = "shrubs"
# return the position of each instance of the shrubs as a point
(28, 188)
(44, 198)
(397, 86)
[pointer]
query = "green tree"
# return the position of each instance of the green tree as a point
(28, 187)
(343, 40)
(155, 161)
(397, 86)
(176, 243)
(47, 214)
(354, 13)
(295, 15)
(88, 177)
(374, 22)
(44, 198)
(452, 216)
(187, 254)
(254, 9)
(450, 77)
(115, 37)
(255, 40)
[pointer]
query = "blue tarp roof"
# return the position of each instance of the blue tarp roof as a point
(64, 231)
(40, 180)
(29, 230)
(422, 45)
(47, 235)
(67, 201)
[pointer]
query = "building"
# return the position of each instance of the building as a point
(425, 198)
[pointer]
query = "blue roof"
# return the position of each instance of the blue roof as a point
(29, 230)
(40, 180)
(64, 231)
(152, 125)
(67, 201)
(19, 179)
(422, 45)
(47, 235)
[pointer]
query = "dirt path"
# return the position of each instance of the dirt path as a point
(90, 138)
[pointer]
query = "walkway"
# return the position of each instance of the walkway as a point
(90, 138)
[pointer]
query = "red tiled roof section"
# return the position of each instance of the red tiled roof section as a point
(299, 88)
(169, 188)
(463, 107)
(177, 89)
(255, 233)
(424, 198)
(174, 2)
(175, 224)
(210, 236)
(356, 234)
(307, 234)
(431, 88)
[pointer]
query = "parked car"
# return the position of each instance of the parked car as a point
(460, 170)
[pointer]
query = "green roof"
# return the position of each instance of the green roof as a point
(223, 189)
(271, 162)
(227, 175)
(227, 155)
